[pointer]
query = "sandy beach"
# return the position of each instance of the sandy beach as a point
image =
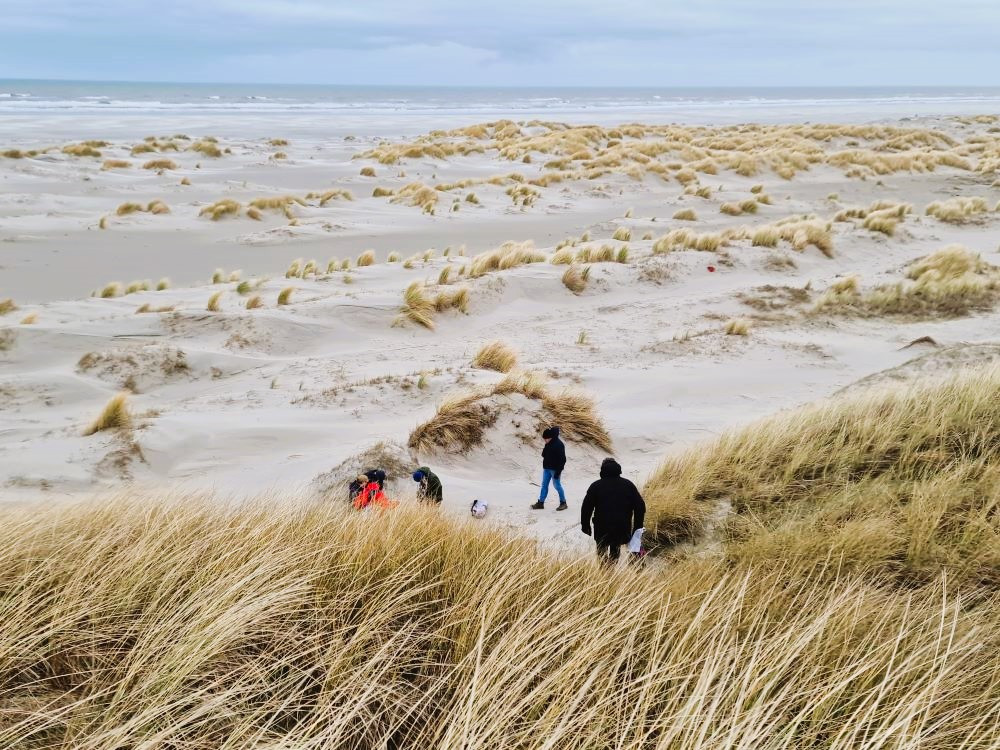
(295, 397)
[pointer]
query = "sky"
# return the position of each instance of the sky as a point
(507, 42)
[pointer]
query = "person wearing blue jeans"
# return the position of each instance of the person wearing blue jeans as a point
(553, 463)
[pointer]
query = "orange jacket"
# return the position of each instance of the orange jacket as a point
(372, 495)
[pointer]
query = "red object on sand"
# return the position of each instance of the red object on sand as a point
(711, 269)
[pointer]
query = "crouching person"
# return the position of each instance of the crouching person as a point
(370, 495)
(612, 510)
(430, 489)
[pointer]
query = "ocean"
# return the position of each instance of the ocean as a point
(37, 97)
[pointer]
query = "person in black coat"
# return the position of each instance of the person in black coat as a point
(553, 463)
(616, 509)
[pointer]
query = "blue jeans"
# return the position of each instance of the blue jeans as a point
(547, 475)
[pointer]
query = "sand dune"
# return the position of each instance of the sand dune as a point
(288, 396)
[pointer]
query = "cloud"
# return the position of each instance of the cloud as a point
(518, 42)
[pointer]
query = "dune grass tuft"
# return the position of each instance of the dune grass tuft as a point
(463, 418)
(7, 306)
(418, 307)
(496, 356)
(393, 257)
(950, 282)
(575, 278)
(957, 210)
(157, 207)
(114, 416)
(81, 149)
(114, 289)
(738, 327)
(508, 255)
(254, 302)
(129, 208)
(115, 164)
(285, 295)
(220, 209)
(686, 214)
(159, 164)
(622, 234)
(213, 302)
(367, 258)
(29, 319)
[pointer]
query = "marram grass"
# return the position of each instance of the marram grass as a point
(147, 620)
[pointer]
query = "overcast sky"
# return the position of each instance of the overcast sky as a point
(507, 42)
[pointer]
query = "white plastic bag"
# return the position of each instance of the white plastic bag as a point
(635, 543)
(479, 508)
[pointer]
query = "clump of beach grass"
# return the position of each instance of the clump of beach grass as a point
(206, 147)
(418, 307)
(285, 295)
(213, 302)
(508, 255)
(685, 214)
(160, 164)
(114, 289)
(157, 207)
(254, 302)
(622, 234)
(81, 149)
(114, 416)
(163, 284)
(575, 278)
(367, 258)
(115, 164)
(950, 282)
(7, 306)
(957, 210)
(738, 327)
(220, 209)
(463, 418)
(129, 208)
(29, 319)
(496, 356)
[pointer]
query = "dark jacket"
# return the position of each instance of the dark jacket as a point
(554, 452)
(430, 486)
(614, 504)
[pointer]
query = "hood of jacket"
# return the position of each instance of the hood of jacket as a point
(610, 468)
(424, 470)
(551, 432)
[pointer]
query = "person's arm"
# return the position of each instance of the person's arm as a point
(638, 510)
(560, 458)
(436, 488)
(587, 511)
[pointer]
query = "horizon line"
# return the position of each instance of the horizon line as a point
(510, 86)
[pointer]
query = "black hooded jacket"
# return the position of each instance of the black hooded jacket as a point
(614, 504)
(554, 452)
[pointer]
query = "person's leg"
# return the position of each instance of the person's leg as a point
(546, 478)
(559, 488)
(602, 550)
(614, 552)
(607, 554)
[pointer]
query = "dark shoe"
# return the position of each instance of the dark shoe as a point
(538, 506)
(562, 506)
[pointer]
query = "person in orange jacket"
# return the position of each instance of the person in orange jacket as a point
(371, 494)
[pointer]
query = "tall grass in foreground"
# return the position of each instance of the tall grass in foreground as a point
(151, 621)
(897, 483)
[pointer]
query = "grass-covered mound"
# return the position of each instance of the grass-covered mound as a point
(900, 482)
(150, 622)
